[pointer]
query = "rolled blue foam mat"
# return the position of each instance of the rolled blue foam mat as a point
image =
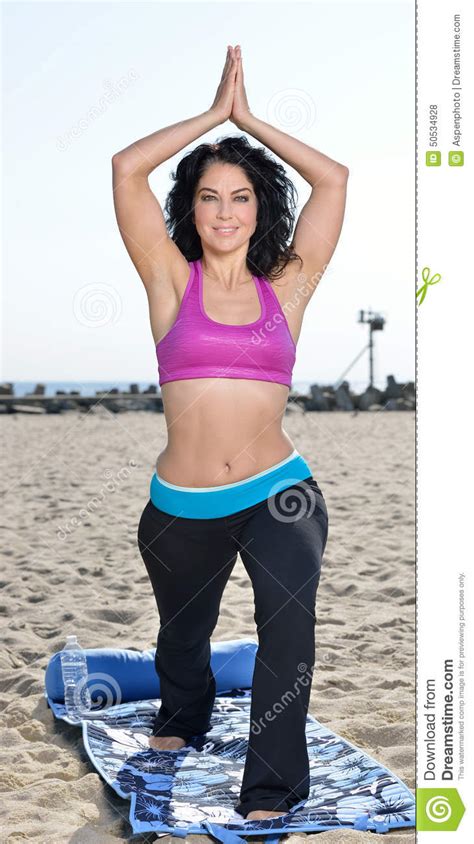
(118, 675)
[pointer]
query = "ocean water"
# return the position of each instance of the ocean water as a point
(89, 388)
(86, 388)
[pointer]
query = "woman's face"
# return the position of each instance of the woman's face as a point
(225, 199)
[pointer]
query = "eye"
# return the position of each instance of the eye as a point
(211, 196)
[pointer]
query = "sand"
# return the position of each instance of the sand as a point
(75, 487)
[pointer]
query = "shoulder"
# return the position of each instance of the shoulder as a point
(284, 280)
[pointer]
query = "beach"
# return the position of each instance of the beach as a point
(75, 486)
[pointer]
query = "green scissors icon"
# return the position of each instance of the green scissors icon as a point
(425, 274)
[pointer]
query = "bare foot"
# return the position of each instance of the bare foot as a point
(166, 742)
(260, 815)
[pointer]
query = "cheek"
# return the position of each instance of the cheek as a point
(203, 213)
(248, 216)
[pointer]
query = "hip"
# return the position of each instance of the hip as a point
(212, 502)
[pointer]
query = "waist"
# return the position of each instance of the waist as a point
(214, 502)
(222, 431)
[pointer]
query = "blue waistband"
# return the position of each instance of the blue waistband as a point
(215, 501)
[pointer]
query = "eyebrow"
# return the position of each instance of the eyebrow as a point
(216, 191)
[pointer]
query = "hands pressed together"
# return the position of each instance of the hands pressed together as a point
(230, 102)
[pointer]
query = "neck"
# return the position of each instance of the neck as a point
(230, 272)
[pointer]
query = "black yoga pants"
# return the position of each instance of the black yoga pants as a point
(281, 542)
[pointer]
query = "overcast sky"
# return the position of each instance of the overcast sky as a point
(83, 80)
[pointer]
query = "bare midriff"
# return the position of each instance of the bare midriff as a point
(222, 430)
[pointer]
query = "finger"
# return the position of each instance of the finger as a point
(228, 60)
(226, 63)
(232, 69)
(238, 74)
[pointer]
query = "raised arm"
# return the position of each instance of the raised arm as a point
(320, 220)
(139, 215)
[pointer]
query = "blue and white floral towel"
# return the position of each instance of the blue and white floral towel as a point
(195, 789)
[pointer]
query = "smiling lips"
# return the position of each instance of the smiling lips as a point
(226, 230)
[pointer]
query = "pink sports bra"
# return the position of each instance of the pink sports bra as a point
(197, 346)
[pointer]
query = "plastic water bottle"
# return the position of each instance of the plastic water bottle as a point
(77, 699)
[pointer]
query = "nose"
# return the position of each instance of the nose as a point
(224, 214)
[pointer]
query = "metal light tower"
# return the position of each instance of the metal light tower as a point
(375, 322)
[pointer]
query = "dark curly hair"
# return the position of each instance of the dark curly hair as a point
(269, 251)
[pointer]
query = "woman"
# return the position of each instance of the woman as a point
(230, 479)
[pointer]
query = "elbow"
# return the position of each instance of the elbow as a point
(127, 163)
(336, 176)
(342, 174)
(117, 159)
(123, 161)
